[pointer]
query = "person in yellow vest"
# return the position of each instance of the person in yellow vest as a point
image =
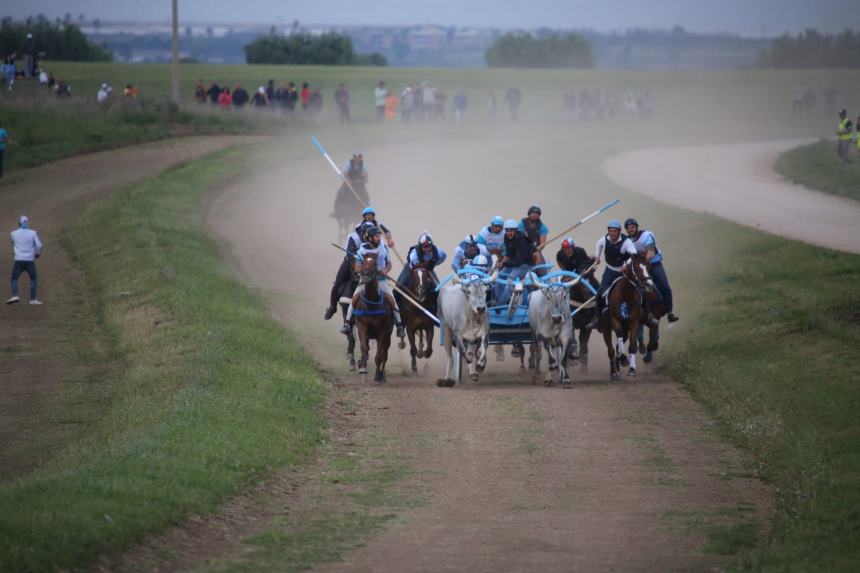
(844, 135)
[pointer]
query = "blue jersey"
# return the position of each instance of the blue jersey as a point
(381, 253)
(493, 241)
(646, 241)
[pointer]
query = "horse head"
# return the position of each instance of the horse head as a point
(422, 283)
(637, 270)
(369, 271)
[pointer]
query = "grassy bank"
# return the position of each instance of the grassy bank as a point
(44, 130)
(816, 166)
(775, 360)
(213, 394)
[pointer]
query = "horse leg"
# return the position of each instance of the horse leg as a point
(364, 345)
(622, 358)
(382, 344)
(610, 350)
(419, 330)
(413, 352)
(428, 349)
(640, 338)
(634, 348)
(653, 342)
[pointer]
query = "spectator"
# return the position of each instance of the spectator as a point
(341, 98)
(63, 89)
(379, 95)
(104, 93)
(281, 97)
(225, 99)
(4, 140)
(407, 101)
(460, 103)
(213, 92)
(270, 91)
(239, 97)
(130, 91)
(513, 97)
(390, 106)
(200, 92)
(294, 96)
(43, 77)
(27, 248)
(305, 96)
(428, 97)
(439, 105)
(418, 103)
(260, 99)
(315, 101)
(9, 72)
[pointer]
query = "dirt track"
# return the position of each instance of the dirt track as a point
(737, 182)
(513, 477)
(41, 353)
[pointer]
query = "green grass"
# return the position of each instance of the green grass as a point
(214, 393)
(816, 166)
(775, 359)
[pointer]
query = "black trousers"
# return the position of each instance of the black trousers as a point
(344, 275)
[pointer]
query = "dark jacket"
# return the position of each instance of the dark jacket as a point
(518, 251)
(577, 263)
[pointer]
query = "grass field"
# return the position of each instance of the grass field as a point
(213, 394)
(816, 166)
(209, 374)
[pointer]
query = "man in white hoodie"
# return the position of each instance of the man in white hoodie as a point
(28, 248)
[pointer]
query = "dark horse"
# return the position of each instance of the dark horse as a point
(345, 294)
(581, 295)
(423, 290)
(624, 313)
(373, 319)
(655, 309)
(347, 207)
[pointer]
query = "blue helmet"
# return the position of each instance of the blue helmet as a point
(614, 224)
(368, 211)
(631, 221)
(511, 224)
(497, 220)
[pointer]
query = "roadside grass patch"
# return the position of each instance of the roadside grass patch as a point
(816, 166)
(214, 394)
(775, 361)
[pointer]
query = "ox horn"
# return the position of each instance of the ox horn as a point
(572, 283)
(456, 280)
(492, 278)
(536, 280)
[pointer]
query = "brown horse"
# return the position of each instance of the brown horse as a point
(655, 310)
(624, 313)
(423, 290)
(580, 295)
(373, 319)
(347, 206)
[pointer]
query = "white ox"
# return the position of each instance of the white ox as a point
(551, 324)
(462, 307)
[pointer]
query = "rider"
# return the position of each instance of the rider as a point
(466, 251)
(355, 169)
(574, 258)
(536, 231)
(344, 272)
(617, 248)
(479, 263)
(424, 255)
(368, 215)
(374, 245)
(493, 236)
(515, 263)
(646, 244)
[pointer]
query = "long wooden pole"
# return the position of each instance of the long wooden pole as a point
(580, 222)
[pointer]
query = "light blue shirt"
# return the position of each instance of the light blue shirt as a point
(416, 259)
(647, 241)
(381, 253)
(460, 254)
(492, 240)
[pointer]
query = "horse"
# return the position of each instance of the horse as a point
(373, 319)
(423, 290)
(345, 296)
(580, 295)
(624, 313)
(347, 206)
(655, 310)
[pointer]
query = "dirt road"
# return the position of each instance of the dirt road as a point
(513, 477)
(737, 182)
(47, 368)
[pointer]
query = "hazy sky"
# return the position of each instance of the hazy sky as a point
(747, 17)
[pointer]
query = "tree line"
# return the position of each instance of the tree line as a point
(812, 49)
(299, 48)
(525, 51)
(52, 40)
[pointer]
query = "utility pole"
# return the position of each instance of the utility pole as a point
(174, 71)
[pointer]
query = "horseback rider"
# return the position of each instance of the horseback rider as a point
(574, 258)
(646, 244)
(368, 215)
(355, 169)
(536, 231)
(618, 248)
(493, 236)
(345, 271)
(375, 246)
(515, 263)
(426, 255)
(466, 251)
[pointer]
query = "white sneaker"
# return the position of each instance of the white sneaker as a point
(13, 300)
(34, 301)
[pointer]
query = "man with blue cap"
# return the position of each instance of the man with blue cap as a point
(616, 248)
(493, 236)
(646, 244)
(27, 248)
